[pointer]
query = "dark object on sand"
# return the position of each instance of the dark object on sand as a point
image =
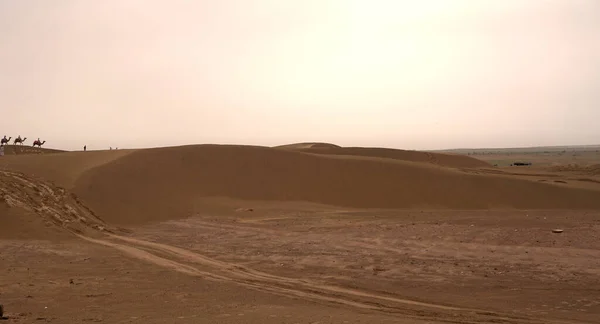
(1, 311)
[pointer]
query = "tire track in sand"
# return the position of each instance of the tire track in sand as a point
(195, 264)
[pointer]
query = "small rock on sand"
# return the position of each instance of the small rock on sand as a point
(557, 230)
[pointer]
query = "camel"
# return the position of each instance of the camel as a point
(19, 140)
(38, 143)
(5, 140)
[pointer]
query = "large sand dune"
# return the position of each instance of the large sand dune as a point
(165, 183)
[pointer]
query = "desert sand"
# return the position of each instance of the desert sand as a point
(302, 233)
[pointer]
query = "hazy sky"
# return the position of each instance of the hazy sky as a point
(413, 74)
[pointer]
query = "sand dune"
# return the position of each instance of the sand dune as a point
(442, 159)
(165, 183)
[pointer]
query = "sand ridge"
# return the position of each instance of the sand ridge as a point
(11, 149)
(441, 159)
(308, 145)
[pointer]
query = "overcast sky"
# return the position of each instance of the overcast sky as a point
(404, 74)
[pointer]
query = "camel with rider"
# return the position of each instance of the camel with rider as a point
(19, 140)
(5, 140)
(38, 143)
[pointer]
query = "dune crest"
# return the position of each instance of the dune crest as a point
(440, 159)
(308, 145)
(10, 149)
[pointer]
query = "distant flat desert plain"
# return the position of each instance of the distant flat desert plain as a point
(300, 233)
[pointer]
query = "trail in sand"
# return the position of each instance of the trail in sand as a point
(195, 264)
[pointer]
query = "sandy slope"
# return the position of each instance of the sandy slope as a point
(33, 209)
(61, 168)
(164, 183)
(158, 184)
